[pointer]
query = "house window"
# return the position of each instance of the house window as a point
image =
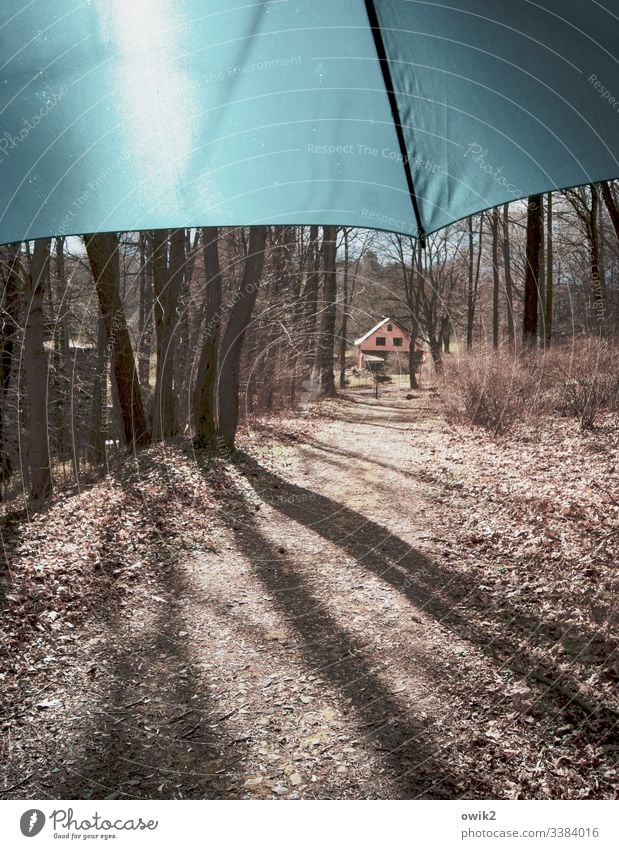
(390, 327)
(397, 341)
(380, 341)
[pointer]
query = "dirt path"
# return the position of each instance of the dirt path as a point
(306, 634)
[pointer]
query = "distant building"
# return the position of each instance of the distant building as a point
(381, 341)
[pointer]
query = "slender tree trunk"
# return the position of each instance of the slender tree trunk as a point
(548, 306)
(446, 333)
(412, 359)
(310, 296)
(205, 396)
(166, 283)
(145, 309)
(98, 417)
(103, 256)
(62, 339)
(470, 313)
(531, 282)
(35, 361)
(509, 284)
(327, 324)
(10, 329)
(594, 245)
(344, 326)
(228, 383)
(473, 279)
(541, 302)
(182, 355)
(597, 278)
(496, 282)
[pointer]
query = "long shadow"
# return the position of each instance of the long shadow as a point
(341, 453)
(154, 732)
(405, 744)
(368, 420)
(449, 596)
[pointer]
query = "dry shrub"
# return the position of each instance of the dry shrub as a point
(496, 389)
(585, 381)
(488, 390)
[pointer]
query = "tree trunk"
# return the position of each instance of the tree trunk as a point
(412, 360)
(103, 256)
(541, 301)
(145, 309)
(62, 339)
(446, 333)
(98, 421)
(310, 296)
(183, 371)
(344, 326)
(205, 395)
(548, 306)
(10, 328)
(327, 324)
(531, 282)
(495, 279)
(232, 344)
(509, 284)
(473, 280)
(166, 276)
(35, 362)
(597, 281)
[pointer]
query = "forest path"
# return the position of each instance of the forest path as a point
(311, 635)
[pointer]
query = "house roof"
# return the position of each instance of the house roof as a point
(380, 324)
(373, 330)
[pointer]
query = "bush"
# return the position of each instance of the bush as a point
(488, 390)
(494, 390)
(588, 382)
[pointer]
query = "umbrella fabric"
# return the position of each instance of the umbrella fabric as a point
(403, 115)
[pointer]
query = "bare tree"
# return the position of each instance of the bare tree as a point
(473, 284)
(326, 343)
(229, 377)
(102, 252)
(35, 370)
(205, 395)
(496, 281)
(168, 262)
(531, 283)
(548, 305)
(11, 305)
(507, 270)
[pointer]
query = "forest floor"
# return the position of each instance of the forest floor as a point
(362, 602)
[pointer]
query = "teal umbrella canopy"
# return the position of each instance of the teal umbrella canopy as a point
(402, 115)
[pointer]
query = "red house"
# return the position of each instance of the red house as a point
(386, 338)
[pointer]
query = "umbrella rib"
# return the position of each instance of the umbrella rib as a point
(395, 112)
